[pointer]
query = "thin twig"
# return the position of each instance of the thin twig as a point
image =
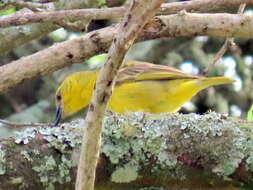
(45, 1)
(32, 6)
(228, 44)
(12, 124)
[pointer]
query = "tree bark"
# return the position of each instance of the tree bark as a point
(196, 6)
(13, 37)
(137, 15)
(168, 150)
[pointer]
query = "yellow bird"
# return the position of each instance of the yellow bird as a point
(140, 86)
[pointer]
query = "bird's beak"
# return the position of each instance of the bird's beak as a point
(58, 114)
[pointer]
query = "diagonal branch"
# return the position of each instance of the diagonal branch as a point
(137, 15)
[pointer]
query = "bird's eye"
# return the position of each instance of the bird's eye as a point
(58, 97)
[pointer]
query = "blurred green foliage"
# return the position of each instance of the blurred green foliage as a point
(250, 114)
(7, 12)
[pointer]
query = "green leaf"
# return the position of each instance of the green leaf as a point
(96, 61)
(245, 188)
(250, 114)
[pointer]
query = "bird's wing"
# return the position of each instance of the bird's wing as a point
(138, 71)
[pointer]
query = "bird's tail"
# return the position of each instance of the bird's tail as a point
(216, 81)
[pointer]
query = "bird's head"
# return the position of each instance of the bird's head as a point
(74, 93)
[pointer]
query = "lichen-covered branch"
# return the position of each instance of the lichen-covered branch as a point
(82, 48)
(167, 150)
(116, 12)
(138, 13)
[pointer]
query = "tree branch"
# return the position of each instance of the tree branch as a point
(82, 48)
(112, 13)
(168, 150)
(202, 6)
(137, 15)
(229, 43)
(5, 4)
(35, 31)
(66, 15)
(13, 37)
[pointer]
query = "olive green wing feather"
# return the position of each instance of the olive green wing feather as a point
(139, 71)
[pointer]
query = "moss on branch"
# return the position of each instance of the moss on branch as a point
(167, 150)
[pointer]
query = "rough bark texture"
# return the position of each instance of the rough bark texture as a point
(82, 48)
(67, 15)
(203, 6)
(117, 12)
(138, 13)
(170, 150)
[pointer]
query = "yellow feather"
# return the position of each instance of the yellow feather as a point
(140, 86)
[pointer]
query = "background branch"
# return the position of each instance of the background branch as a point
(82, 48)
(28, 33)
(202, 6)
(112, 13)
(67, 15)
(20, 35)
(229, 43)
